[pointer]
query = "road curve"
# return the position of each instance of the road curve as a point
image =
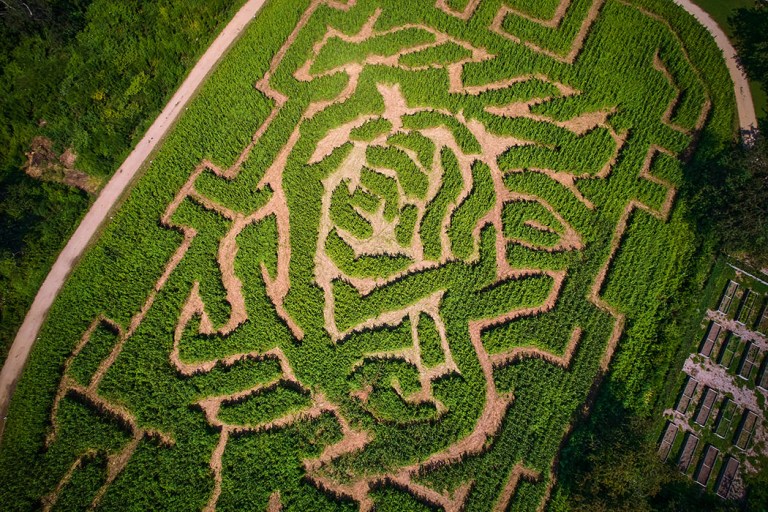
(744, 104)
(122, 179)
(109, 197)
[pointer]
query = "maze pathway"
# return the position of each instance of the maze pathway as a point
(415, 246)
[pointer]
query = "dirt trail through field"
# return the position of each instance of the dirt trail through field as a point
(108, 199)
(744, 104)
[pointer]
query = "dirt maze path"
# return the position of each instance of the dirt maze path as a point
(329, 270)
(110, 197)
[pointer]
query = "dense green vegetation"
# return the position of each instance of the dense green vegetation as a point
(748, 26)
(91, 76)
(191, 375)
(611, 460)
(729, 198)
(728, 14)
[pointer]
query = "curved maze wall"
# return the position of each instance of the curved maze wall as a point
(401, 291)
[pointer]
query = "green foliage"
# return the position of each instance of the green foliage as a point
(362, 266)
(385, 187)
(411, 178)
(423, 146)
(429, 341)
(466, 141)
(338, 52)
(370, 130)
(406, 225)
(35, 219)
(556, 40)
(264, 407)
(90, 75)
(444, 54)
(471, 210)
(515, 216)
(611, 464)
(361, 370)
(99, 346)
(728, 194)
(392, 383)
(431, 223)
(344, 215)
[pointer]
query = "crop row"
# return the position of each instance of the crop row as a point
(632, 87)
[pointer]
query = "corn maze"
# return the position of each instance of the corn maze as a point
(380, 264)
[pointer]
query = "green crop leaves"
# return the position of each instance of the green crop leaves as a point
(411, 178)
(470, 211)
(409, 279)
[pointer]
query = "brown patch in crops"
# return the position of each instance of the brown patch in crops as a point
(493, 145)
(274, 504)
(44, 164)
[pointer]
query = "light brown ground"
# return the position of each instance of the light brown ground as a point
(274, 504)
(44, 164)
(576, 45)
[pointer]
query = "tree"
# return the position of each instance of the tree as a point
(750, 26)
(728, 196)
(610, 464)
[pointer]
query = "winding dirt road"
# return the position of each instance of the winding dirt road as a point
(744, 104)
(108, 198)
(122, 179)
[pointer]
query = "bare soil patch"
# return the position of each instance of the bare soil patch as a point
(44, 164)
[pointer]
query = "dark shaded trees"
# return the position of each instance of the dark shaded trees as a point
(90, 75)
(750, 35)
(610, 464)
(729, 198)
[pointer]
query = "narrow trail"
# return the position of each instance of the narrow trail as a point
(108, 198)
(744, 104)
(128, 171)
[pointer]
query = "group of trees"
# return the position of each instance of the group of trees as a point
(90, 75)
(35, 217)
(737, 181)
